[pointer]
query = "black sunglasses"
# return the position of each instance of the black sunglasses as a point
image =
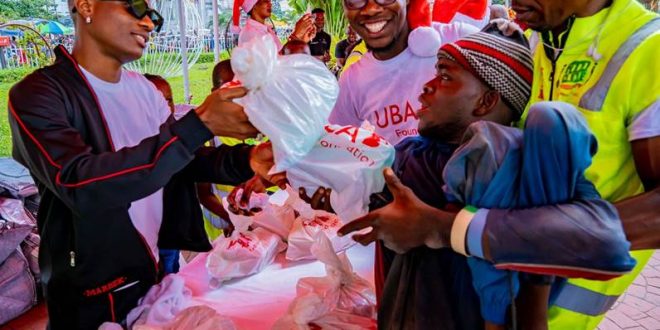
(139, 9)
(359, 4)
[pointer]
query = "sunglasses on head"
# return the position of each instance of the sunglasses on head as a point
(359, 4)
(139, 9)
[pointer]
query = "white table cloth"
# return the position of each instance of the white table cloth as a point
(257, 301)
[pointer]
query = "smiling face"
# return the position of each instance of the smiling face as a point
(449, 101)
(383, 28)
(114, 30)
(544, 15)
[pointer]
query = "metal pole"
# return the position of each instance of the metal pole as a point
(184, 51)
(202, 12)
(3, 62)
(216, 32)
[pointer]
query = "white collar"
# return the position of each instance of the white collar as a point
(256, 25)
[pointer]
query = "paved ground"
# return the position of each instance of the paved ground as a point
(639, 307)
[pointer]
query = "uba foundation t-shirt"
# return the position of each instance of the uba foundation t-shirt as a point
(385, 92)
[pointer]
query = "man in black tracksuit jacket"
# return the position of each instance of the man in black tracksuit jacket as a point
(94, 263)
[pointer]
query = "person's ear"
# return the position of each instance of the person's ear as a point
(486, 103)
(84, 8)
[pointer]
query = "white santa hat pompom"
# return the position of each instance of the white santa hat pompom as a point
(423, 40)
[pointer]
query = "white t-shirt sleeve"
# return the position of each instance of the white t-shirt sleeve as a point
(344, 112)
(646, 124)
(453, 31)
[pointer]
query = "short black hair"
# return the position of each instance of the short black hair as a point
(155, 79)
(318, 10)
(216, 76)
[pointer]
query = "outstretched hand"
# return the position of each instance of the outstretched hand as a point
(223, 117)
(240, 205)
(404, 224)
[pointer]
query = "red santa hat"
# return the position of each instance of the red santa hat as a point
(247, 6)
(423, 40)
(444, 11)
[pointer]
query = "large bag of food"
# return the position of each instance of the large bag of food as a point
(244, 253)
(290, 97)
(350, 161)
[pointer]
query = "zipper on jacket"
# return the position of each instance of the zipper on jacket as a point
(553, 53)
(72, 246)
(552, 80)
(149, 253)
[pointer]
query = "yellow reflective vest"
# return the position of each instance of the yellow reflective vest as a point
(573, 78)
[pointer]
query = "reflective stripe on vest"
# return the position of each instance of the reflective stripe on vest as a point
(594, 98)
(584, 301)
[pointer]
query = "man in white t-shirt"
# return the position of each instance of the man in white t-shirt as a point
(115, 171)
(384, 85)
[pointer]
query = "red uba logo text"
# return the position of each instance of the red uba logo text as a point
(243, 242)
(393, 115)
(321, 221)
(372, 141)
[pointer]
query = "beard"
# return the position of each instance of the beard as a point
(450, 132)
(385, 48)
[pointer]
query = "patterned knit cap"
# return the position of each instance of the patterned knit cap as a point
(503, 63)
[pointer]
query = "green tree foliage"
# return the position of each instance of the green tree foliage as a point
(18, 9)
(335, 21)
(224, 17)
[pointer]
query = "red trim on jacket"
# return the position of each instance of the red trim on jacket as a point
(112, 307)
(151, 254)
(41, 148)
(119, 173)
(88, 181)
(95, 179)
(98, 104)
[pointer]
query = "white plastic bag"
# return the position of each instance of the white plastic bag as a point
(308, 225)
(290, 97)
(162, 303)
(276, 219)
(340, 300)
(243, 253)
(349, 160)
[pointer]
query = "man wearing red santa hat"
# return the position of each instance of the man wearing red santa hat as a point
(383, 86)
(258, 11)
(473, 12)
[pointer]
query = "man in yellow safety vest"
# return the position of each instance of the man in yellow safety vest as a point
(602, 56)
